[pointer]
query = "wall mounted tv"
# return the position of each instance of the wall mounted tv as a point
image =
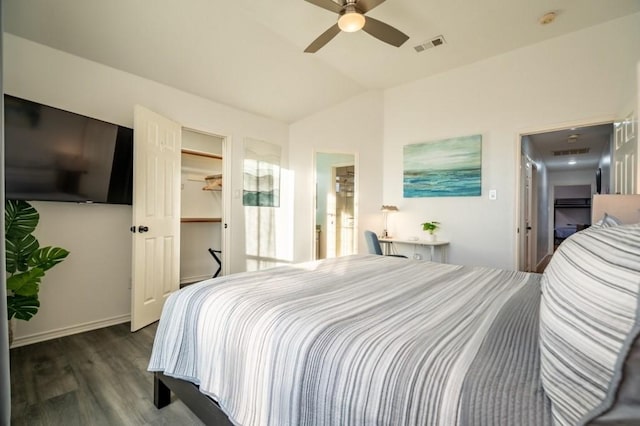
(56, 155)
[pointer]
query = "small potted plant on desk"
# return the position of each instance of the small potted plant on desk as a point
(431, 228)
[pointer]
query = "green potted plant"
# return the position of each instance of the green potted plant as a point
(431, 228)
(26, 261)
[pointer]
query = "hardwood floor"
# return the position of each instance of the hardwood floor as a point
(543, 264)
(94, 378)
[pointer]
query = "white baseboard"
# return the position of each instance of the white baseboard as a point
(68, 331)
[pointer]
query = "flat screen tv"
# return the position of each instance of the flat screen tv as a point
(56, 155)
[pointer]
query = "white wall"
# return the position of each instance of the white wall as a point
(584, 76)
(544, 240)
(91, 288)
(354, 127)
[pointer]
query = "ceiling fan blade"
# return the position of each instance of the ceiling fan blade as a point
(328, 5)
(366, 5)
(323, 39)
(384, 32)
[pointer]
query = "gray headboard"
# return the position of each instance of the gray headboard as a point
(623, 207)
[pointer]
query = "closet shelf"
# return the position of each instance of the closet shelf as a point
(572, 203)
(200, 219)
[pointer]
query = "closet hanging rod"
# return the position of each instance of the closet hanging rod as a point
(200, 219)
(201, 153)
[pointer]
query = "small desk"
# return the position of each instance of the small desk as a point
(443, 246)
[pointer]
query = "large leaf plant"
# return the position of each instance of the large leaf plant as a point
(26, 261)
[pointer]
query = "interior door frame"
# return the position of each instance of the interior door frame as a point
(519, 193)
(356, 194)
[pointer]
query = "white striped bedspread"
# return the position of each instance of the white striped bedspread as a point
(360, 340)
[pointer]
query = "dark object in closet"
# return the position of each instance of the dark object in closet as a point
(217, 259)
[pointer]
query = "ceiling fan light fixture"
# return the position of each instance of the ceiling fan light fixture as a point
(351, 21)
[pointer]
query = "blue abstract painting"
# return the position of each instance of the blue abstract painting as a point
(443, 168)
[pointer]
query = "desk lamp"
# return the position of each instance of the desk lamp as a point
(385, 213)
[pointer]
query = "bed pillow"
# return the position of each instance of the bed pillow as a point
(589, 317)
(607, 221)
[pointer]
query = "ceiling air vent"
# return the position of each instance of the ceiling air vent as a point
(435, 42)
(577, 151)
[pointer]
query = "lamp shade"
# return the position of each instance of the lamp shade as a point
(351, 21)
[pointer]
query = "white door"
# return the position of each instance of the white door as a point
(523, 233)
(527, 215)
(156, 215)
(625, 157)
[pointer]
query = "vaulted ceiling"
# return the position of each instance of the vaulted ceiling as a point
(248, 54)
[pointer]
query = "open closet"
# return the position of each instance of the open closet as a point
(201, 207)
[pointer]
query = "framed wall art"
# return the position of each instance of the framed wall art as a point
(443, 168)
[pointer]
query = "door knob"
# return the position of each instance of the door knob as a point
(142, 229)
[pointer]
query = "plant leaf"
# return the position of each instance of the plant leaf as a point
(19, 251)
(47, 257)
(22, 307)
(25, 283)
(20, 219)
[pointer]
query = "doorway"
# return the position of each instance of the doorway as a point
(579, 155)
(335, 205)
(201, 207)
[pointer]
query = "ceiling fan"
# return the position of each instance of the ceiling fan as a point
(352, 19)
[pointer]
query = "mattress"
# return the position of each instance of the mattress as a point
(360, 340)
(563, 232)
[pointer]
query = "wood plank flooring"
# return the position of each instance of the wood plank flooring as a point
(94, 378)
(543, 264)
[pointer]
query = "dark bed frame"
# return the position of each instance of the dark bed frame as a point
(200, 404)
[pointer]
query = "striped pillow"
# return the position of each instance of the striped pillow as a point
(589, 317)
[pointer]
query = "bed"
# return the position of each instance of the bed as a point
(561, 233)
(365, 339)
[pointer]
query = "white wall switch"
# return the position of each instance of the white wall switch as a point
(493, 194)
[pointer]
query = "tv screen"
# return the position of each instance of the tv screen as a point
(56, 155)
